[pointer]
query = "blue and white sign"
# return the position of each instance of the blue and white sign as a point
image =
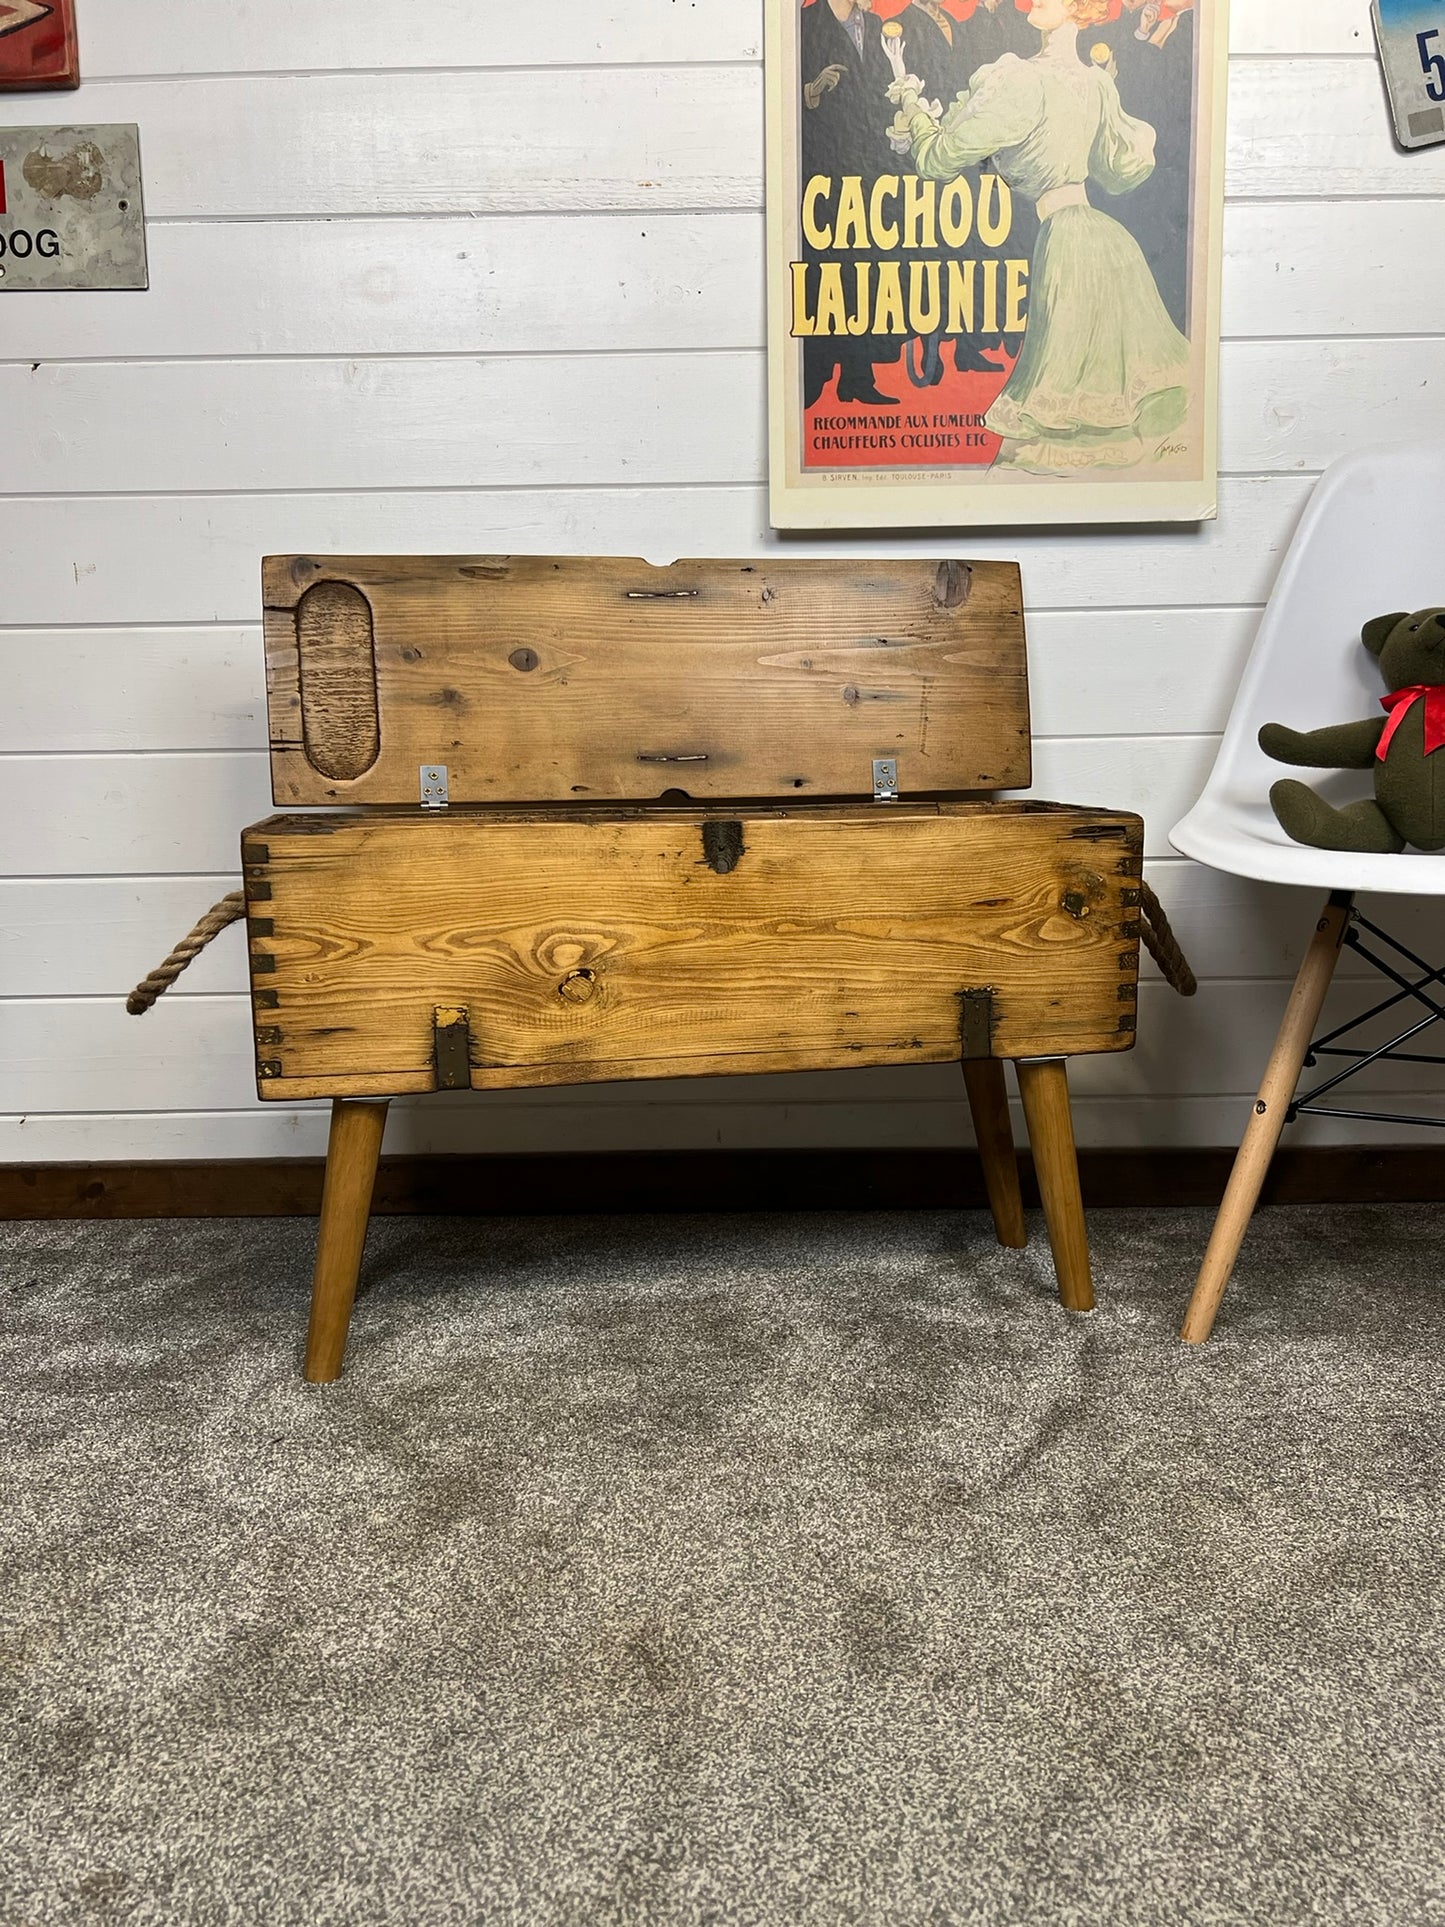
(1411, 37)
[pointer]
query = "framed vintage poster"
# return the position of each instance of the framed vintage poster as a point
(994, 258)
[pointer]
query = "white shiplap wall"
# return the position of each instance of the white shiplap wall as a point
(415, 285)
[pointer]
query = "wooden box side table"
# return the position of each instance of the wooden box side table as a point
(588, 820)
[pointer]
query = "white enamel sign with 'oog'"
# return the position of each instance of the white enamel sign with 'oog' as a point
(71, 214)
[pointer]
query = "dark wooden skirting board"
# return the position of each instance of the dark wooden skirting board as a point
(699, 1181)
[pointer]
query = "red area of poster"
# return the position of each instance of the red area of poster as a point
(933, 425)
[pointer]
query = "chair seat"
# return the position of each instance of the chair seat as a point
(1240, 835)
(1368, 543)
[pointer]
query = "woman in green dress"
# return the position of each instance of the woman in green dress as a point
(1103, 375)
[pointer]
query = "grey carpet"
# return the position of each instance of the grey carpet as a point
(729, 1570)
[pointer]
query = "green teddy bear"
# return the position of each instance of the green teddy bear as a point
(1401, 747)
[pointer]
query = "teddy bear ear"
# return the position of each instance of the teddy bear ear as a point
(1376, 632)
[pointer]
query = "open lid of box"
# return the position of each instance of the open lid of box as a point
(546, 679)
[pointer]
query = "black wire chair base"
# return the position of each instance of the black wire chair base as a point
(1416, 990)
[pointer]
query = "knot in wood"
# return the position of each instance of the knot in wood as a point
(578, 986)
(952, 585)
(524, 659)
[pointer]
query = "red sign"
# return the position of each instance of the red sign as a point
(37, 44)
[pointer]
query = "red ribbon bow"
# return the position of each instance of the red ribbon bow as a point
(1399, 702)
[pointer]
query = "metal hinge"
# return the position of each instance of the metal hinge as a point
(975, 1022)
(434, 786)
(885, 779)
(451, 1048)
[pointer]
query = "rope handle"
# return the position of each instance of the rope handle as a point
(1162, 944)
(229, 910)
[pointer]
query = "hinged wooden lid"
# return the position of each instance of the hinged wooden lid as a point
(547, 679)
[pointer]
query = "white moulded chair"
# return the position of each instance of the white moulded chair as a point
(1371, 540)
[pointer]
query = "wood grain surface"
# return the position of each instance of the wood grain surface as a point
(593, 946)
(545, 679)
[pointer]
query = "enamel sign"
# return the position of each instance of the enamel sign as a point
(1411, 37)
(71, 214)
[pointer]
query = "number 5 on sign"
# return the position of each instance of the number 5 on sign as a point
(1411, 36)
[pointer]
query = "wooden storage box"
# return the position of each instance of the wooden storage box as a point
(587, 819)
(576, 947)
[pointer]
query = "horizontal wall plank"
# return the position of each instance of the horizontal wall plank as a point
(1234, 927)
(197, 1053)
(440, 143)
(96, 936)
(146, 37)
(627, 137)
(122, 689)
(598, 420)
(504, 284)
(483, 422)
(1331, 268)
(1280, 148)
(1289, 27)
(120, 815)
(501, 1125)
(1135, 672)
(1305, 404)
(509, 284)
(162, 814)
(255, 36)
(90, 558)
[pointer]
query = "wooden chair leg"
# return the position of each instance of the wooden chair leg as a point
(1044, 1087)
(351, 1155)
(988, 1102)
(1271, 1107)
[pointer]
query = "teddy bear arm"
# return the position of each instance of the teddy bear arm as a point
(1337, 746)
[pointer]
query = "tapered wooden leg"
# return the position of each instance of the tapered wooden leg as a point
(988, 1101)
(1268, 1118)
(356, 1128)
(1044, 1087)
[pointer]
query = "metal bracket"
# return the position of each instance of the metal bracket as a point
(885, 779)
(975, 1022)
(451, 1047)
(1416, 990)
(434, 786)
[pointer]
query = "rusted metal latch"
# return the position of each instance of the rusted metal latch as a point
(451, 1048)
(723, 848)
(975, 1022)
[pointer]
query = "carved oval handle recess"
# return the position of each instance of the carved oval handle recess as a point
(336, 659)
